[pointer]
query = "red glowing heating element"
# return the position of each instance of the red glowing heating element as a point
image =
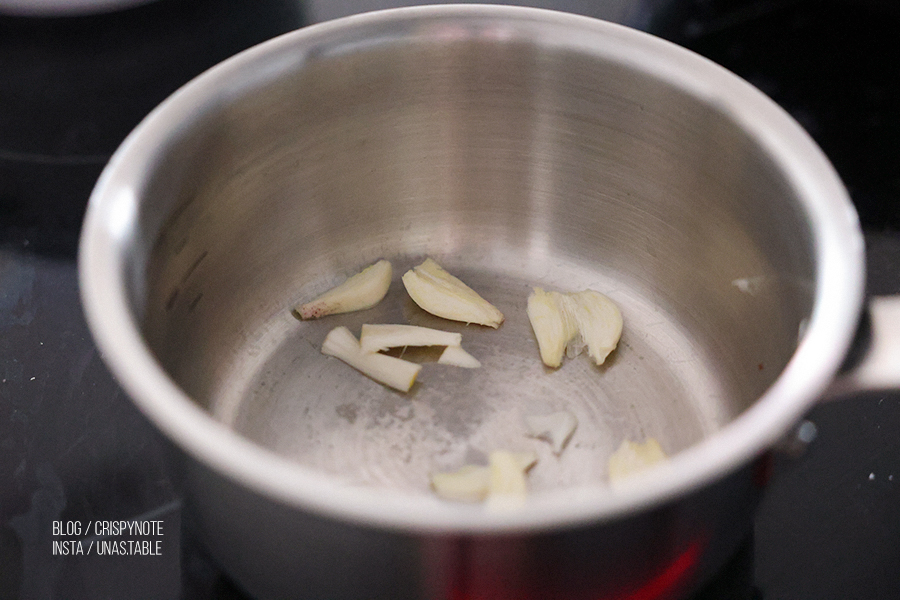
(671, 578)
(662, 585)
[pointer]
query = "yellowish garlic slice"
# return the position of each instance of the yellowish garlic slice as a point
(469, 483)
(440, 293)
(457, 357)
(509, 487)
(359, 292)
(633, 457)
(552, 325)
(566, 323)
(378, 337)
(556, 428)
(393, 372)
(502, 482)
(599, 323)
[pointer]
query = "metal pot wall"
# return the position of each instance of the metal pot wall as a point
(519, 148)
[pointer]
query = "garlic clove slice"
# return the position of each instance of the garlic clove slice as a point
(359, 292)
(456, 356)
(599, 321)
(374, 338)
(632, 457)
(508, 487)
(440, 293)
(470, 483)
(393, 372)
(551, 324)
(564, 324)
(502, 482)
(556, 428)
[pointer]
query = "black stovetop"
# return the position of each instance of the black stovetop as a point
(73, 449)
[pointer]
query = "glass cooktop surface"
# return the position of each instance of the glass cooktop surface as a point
(73, 449)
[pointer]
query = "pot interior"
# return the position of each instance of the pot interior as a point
(512, 162)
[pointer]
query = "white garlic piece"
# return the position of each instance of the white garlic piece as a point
(552, 326)
(470, 483)
(632, 457)
(440, 293)
(569, 322)
(361, 291)
(508, 487)
(393, 372)
(502, 483)
(599, 323)
(457, 357)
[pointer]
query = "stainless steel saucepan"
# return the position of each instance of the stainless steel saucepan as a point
(518, 148)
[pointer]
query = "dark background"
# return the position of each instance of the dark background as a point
(73, 448)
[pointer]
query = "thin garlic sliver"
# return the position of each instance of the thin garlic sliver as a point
(359, 292)
(470, 483)
(633, 457)
(556, 428)
(393, 372)
(502, 482)
(440, 293)
(509, 487)
(457, 357)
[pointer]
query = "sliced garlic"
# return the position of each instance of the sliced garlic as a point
(457, 357)
(556, 428)
(632, 457)
(440, 293)
(508, 488)
(565, 323)
(361, 291)
(374, 338)
(599, 322)
(394, 372)
(470, 483)
(502, 482)
(552, 326)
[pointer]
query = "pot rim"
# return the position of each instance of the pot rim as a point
(110, 223)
